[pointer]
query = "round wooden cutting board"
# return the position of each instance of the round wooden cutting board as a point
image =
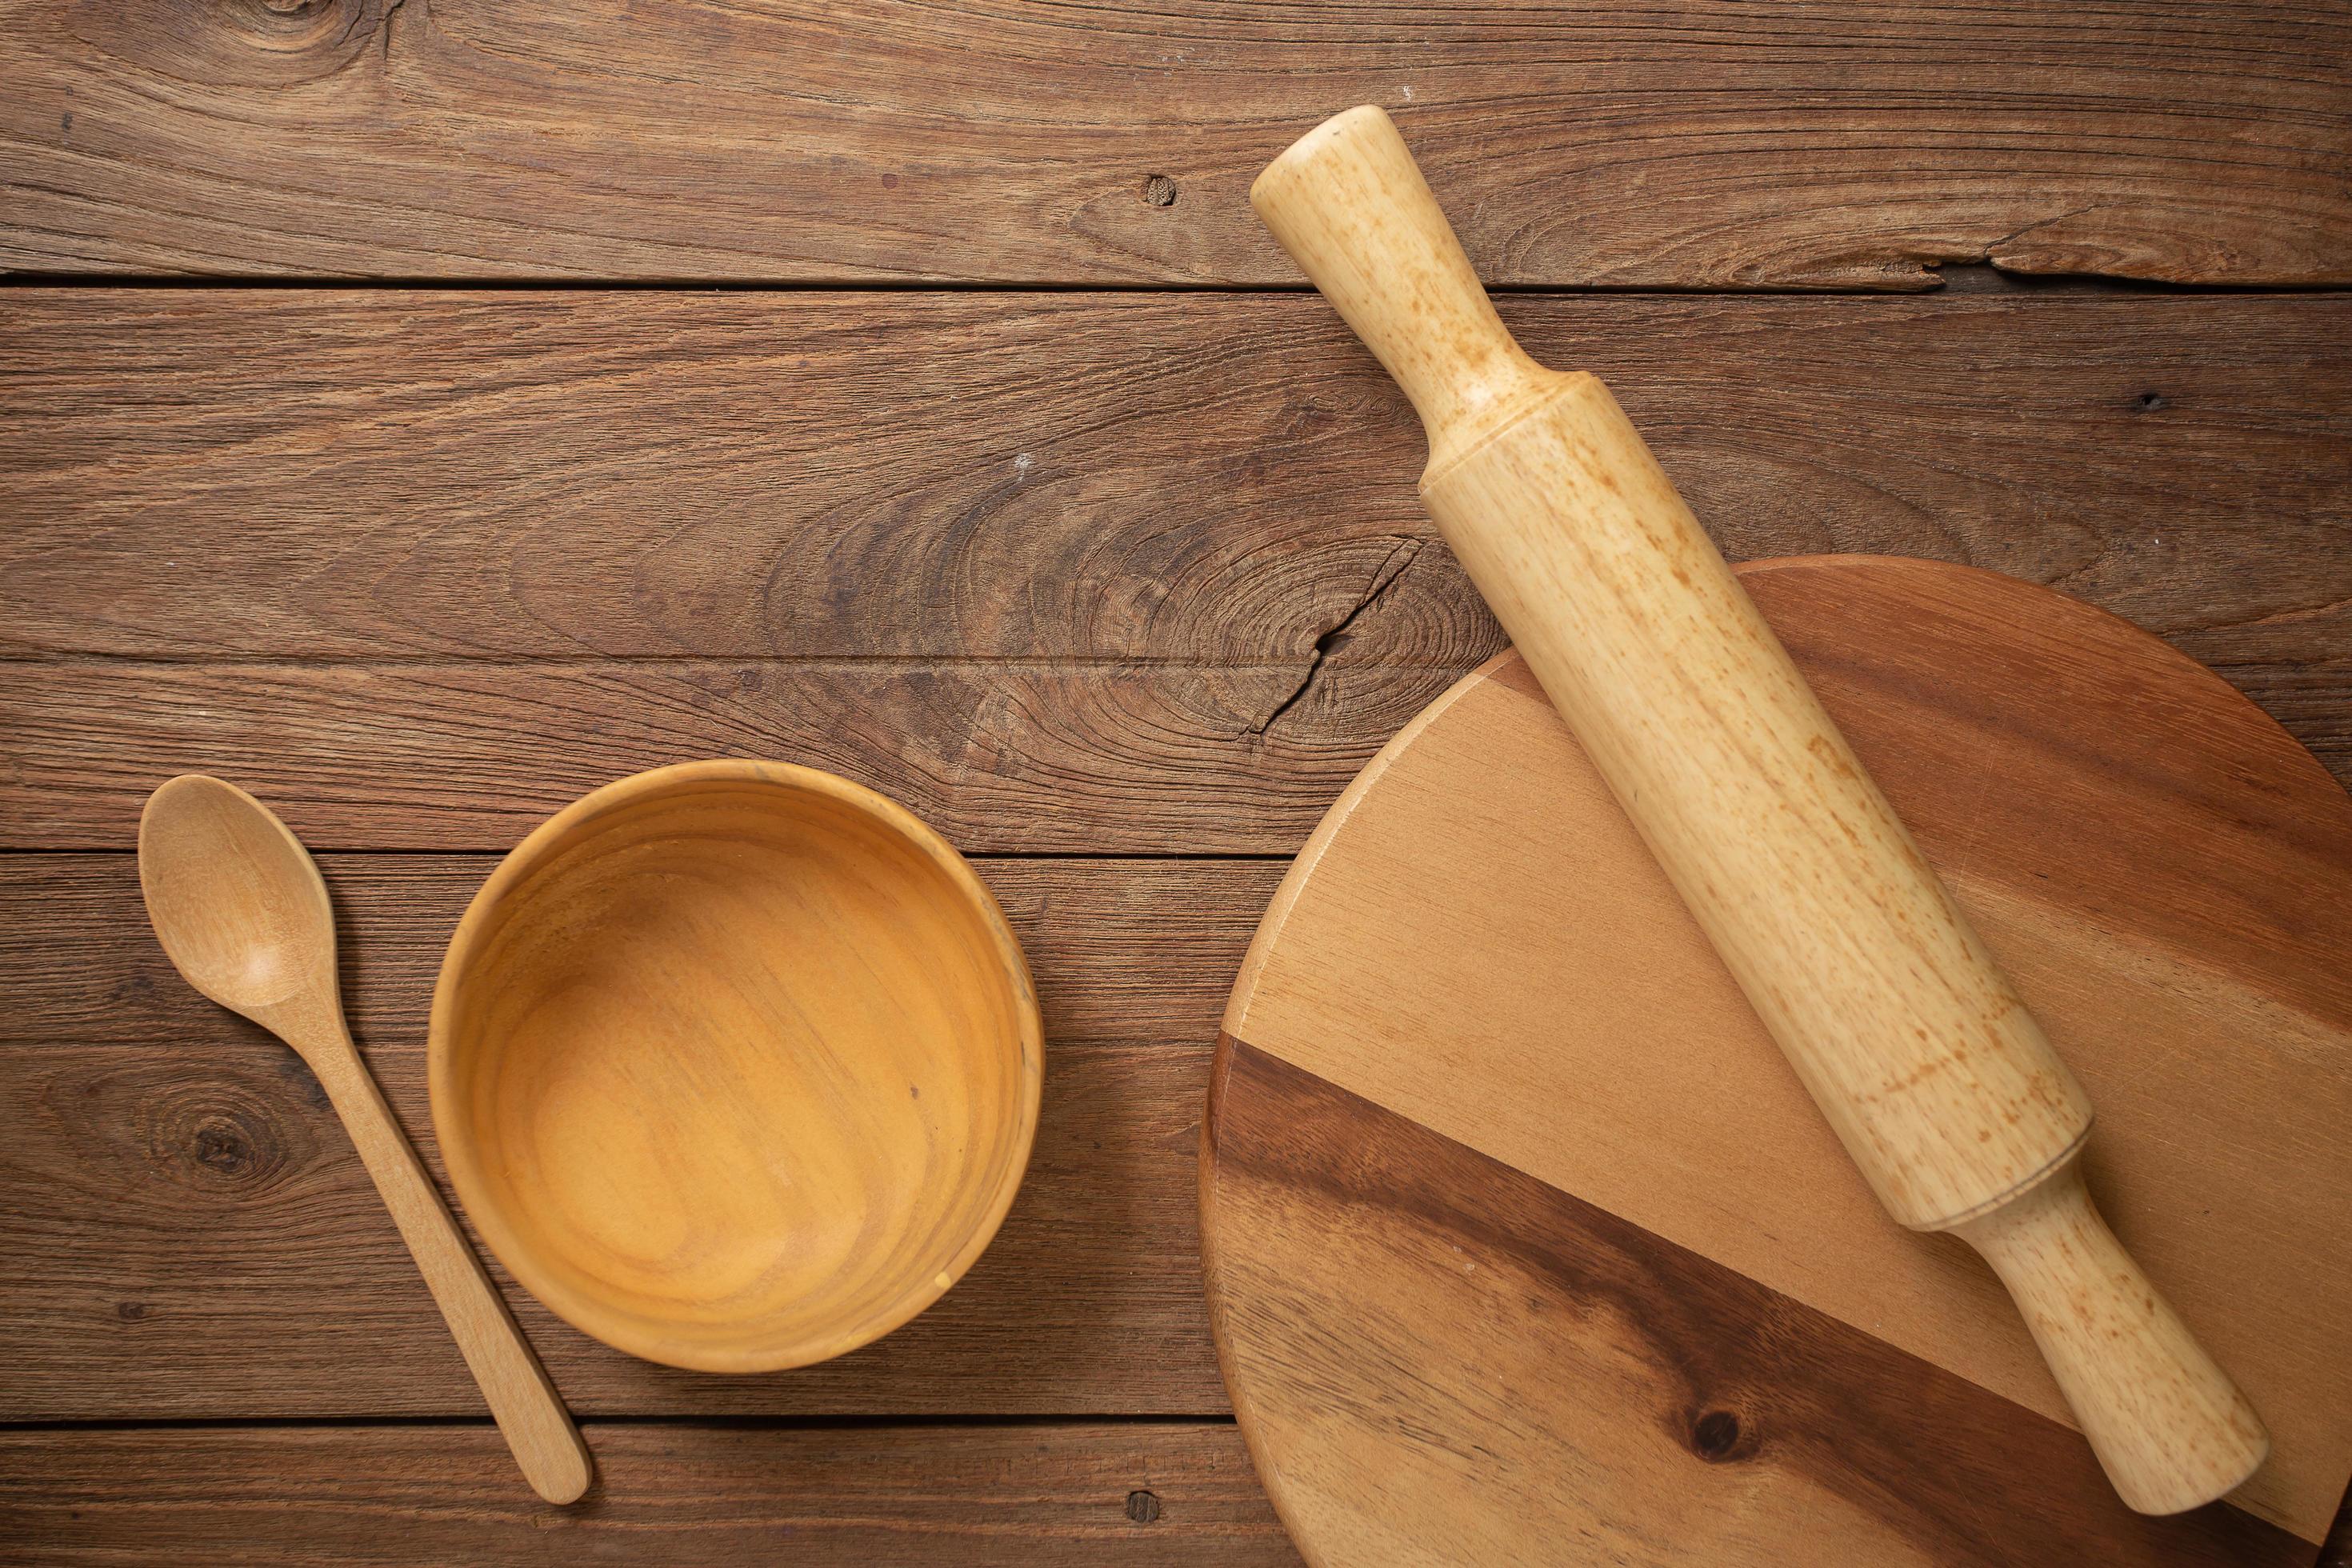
(1525, 1246)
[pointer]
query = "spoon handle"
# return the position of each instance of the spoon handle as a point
(530, 1412)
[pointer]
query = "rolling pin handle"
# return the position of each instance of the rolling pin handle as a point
(2170, 1429)
(1348, 201)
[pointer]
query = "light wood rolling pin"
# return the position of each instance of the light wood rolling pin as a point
(1941, 1085)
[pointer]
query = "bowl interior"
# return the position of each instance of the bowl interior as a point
(735, 1066)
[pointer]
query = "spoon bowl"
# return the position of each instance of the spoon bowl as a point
(234, 899)
(736, 1065)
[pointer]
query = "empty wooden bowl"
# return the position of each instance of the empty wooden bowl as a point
(735, 1065)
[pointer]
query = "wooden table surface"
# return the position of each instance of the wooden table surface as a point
(420, 411)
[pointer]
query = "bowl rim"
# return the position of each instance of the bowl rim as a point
(459, 1155)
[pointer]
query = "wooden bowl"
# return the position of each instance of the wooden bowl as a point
(735, 1065)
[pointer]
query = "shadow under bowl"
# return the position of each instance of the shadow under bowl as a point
(735, 1065)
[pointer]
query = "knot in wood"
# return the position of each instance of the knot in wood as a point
(217, 1139)
(1715, 1435)
(289, 24)
(300, 40)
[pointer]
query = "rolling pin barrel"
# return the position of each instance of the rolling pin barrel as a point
(1932, 1074)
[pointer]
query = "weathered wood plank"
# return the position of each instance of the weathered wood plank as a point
(1773, 144)
(1123, 951)
(190, 1234)
(1173, 759)
(877, 1497)
(248, 1270)
(267, 475)
(1001, 758)
(2183, 467)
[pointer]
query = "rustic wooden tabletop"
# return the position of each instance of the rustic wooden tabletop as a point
(421, 412)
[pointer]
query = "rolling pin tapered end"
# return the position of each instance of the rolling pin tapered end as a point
(2169, 1427)
(1348, 202)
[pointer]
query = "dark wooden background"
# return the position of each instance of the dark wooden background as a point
(422, 412)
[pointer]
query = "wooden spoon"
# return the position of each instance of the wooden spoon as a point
(242, 914)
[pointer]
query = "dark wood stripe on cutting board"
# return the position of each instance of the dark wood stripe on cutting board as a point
(1757, 1393)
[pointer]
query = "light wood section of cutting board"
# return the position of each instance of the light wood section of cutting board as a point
(1474, 949)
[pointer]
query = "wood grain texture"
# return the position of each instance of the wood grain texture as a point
(999, 757)
(1002, 758)
(1124, 952)
(1777, 145)
(1239, 627)
(2163, 884)
(874, 1497)
(274, 475)
(249, 1270)
(1127, 487)
(1548, 1383)
(735, 1065)
(203, 1139)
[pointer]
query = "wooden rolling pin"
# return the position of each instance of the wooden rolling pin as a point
(1941, 1085)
